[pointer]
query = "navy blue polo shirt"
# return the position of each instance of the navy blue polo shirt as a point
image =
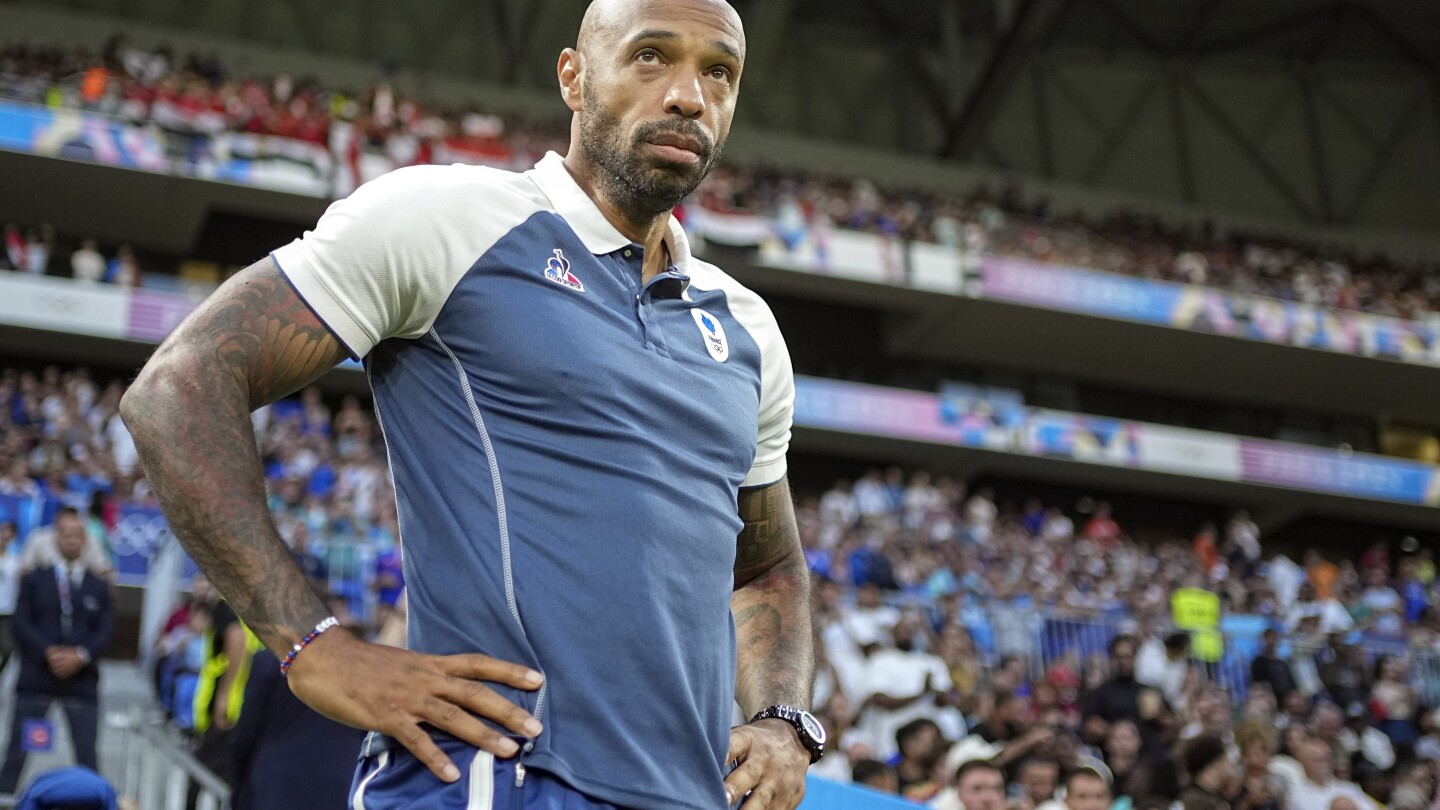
(567, 445)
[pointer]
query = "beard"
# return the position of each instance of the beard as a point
(643, 190)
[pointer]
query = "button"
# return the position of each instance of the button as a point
(628, 251)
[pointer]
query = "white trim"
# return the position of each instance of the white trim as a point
(358, 803)
(499, 488)
(482, 781)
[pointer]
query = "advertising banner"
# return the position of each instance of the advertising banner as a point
(62, 305)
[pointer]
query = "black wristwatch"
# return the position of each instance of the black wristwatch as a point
(812, 734)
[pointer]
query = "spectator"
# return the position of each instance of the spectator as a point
(1086, 789)
(1395, 701)
(1332, 616)
(1322, 574)
(1320, 788)
(1259, 788)
(1269, 668)
(86, 264)
(921, 748)
(1005, 726)
(1362, 742)
(9, 587)
(979, 785)
(875, 775)
(1346, 679)
(1210, 774)
(1038, 779)
(123, 270)
(62, 624)
(901, 684)
(1165, 665)
(1102, 528)
(1123, 698)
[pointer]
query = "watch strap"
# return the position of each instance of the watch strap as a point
(792, 715)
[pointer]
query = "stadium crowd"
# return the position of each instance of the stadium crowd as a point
(971, 652)
(196, 96)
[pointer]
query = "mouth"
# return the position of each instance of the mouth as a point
(675, 148)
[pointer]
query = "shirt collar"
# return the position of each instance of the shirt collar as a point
(584, 217)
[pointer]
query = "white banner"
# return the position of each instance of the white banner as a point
(63, 305)
(1188, 452)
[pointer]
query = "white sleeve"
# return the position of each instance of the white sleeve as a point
(381, 262)
(777, 409)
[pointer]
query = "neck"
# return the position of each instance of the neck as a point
(647, 231)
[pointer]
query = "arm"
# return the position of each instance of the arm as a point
(24, 624)
(775, 661)
(249, 344)
(233, 646)
(253, 341)
(98, 639)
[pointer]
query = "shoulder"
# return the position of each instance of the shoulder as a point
(745, 304)
(446, 194)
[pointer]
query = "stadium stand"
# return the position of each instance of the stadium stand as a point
(986, 585)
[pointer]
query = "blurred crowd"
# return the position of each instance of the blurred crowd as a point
(197, 95)
(969, 648)
(952, 629)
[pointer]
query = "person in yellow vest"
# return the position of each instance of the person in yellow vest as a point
(220, 691)
(1198, 611)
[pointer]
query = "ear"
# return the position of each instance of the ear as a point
(571, 73)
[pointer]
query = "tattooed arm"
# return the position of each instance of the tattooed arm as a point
(775, 663)
(249, 344)
(253, 341)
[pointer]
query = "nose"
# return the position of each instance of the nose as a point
(684, 96)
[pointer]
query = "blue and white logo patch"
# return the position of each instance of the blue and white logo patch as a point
(714, 334)
(557, 269)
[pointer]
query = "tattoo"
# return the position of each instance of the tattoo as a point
(253, 341)
(775, 660)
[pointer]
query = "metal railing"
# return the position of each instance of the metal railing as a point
(159, 773)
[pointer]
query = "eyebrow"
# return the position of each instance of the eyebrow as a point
(660, 33)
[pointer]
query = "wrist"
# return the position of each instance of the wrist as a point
(83, 654)
(313, 655)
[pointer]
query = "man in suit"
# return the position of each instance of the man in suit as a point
(62, 623)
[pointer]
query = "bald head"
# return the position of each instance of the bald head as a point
(607, 21)
(653, 85)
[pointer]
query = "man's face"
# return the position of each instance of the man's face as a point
(982, 789)
(1315, 759)
(1087, 793)
(69, 537)
(659, 86)
(1040, 780)
(1125, 659)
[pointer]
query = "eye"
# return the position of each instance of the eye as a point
(648, 57)
(719, 73)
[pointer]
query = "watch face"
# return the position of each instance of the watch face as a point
(813, 727)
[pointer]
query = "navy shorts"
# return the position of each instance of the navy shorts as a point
(389, 777)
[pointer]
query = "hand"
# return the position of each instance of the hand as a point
(220, 711)
(393, 691)
(64, 662)
(772, 766)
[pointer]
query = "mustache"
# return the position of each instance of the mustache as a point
(683, 127)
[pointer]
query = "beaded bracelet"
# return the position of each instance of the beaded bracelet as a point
(305, 642)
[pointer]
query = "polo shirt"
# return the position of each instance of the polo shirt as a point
(567, 445)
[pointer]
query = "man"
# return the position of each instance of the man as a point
(900, 685)
(1319, 788)
(1212, 774)
(1087, 789)
(921, 748)
(1123, 698)
(1164, 665)
(574, 406)
(1268, 667)
(980, 785)
(1039, 777)
(1006, 726)
(40, 549)
(62, 624)
(9, 586)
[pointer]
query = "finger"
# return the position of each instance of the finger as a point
(486, 702)
(740, 741)
(762, 796)
(484, 668)
(742, 780)
(419, 743)
(462, 725)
